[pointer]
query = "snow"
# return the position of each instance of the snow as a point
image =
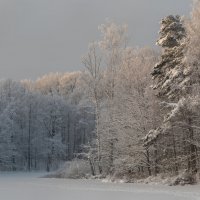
(25, 186)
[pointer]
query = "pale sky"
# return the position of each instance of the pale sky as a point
(42, 36)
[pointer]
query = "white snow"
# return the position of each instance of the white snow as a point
(21, 186)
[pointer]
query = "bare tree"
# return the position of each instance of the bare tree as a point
(92, 64)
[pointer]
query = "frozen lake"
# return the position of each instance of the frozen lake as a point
(22, 186)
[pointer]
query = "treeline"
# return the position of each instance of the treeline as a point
(43, 123)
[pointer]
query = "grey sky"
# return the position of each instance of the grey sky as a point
(42, 36)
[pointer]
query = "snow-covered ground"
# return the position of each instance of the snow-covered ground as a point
(22, 186)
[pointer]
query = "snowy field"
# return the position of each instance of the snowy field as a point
(23, 186)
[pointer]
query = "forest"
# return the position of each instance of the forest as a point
(130, 113)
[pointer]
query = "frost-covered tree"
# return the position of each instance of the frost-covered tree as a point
(124, 102)
(93, 79)
(175, 85)
(170, 74)
(112, 44)
(134, 114)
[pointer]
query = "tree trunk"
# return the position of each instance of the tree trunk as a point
(29, 139)
(175, 154)
(156, 170)
(148, 161)
(193, 157)
(68, 138)
(92, 167)
(97, 110)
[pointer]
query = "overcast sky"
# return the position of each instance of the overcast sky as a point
(42, 36)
